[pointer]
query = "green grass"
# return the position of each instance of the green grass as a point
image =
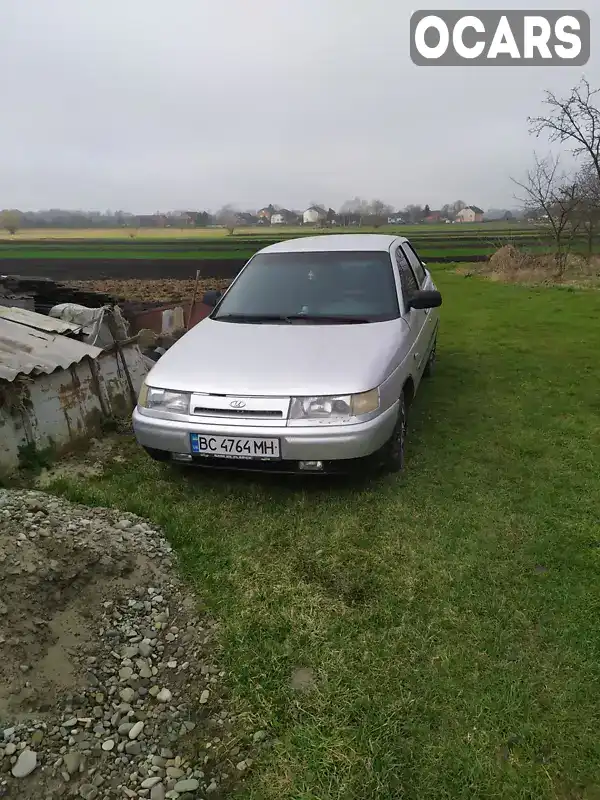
(431, 242)
(450, 616)
(426, 249)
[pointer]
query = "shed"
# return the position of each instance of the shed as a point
(56, 391)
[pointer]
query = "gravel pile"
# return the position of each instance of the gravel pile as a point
(109, 681)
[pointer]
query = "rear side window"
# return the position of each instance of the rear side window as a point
(415, 263)
(408, 281)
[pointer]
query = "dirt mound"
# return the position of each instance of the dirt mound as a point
(513, 265)
(151, 292)
(507, 259)
(109, 682)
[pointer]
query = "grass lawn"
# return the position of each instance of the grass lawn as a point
(235, 250)
(425, 250)
(450, 616)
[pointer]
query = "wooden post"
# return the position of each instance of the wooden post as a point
(119, 352)
(193, 303)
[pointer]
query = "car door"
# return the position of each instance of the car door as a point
(412, 316)
(427, 319)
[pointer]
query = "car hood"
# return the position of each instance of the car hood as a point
(280, 360)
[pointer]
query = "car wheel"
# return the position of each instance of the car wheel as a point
(393, 449)
(430, 365)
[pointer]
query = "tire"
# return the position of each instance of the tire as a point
(430, 365)
(393, 450)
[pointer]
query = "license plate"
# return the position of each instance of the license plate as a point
(234, 446)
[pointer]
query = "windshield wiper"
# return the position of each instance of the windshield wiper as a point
(329, 318)
(258, 318)
(291, 318)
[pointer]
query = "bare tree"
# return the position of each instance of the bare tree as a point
(381, 209)
(11, 220)
(559, 198)
(357, 207)
(575, 120)
(450, 210)
(457, 206)
(414, 213)
(227, 216)
(589, 208)
(379, 212)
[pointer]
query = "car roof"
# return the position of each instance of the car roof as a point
(362, 242)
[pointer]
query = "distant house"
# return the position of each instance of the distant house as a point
(245, 218)
(284, 217)
(314, 215)
(498, 215)
(190, 218)
(433, 216)
(470, 214)
(266, 213)
(152, 221)
(181, 219)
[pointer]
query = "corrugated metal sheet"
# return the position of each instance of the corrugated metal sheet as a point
(26, 351)
(38, 321)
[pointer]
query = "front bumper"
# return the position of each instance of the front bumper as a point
(331, 443)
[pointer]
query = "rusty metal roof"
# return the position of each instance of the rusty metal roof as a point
(38, 321)
(25, 350)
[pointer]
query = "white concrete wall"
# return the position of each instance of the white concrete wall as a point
(113, 379)
(67, 407)
(466, 215)
(311, 216)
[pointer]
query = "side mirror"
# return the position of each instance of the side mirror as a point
(212, 297)
(426, 298)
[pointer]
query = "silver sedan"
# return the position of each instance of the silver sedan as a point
(308, 363)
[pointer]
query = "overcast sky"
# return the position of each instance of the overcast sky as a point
(147, 104)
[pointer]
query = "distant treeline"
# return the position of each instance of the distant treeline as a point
(352, 213)
(79, 220)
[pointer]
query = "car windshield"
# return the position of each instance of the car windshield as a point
(319, 288)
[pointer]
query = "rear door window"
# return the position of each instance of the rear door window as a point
(415, 263)
(408, 282)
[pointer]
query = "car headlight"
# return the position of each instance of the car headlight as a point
(164, 400)
(336, 408)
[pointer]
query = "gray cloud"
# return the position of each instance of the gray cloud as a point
(145, 105)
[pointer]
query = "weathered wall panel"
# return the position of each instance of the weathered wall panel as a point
(66, 408)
